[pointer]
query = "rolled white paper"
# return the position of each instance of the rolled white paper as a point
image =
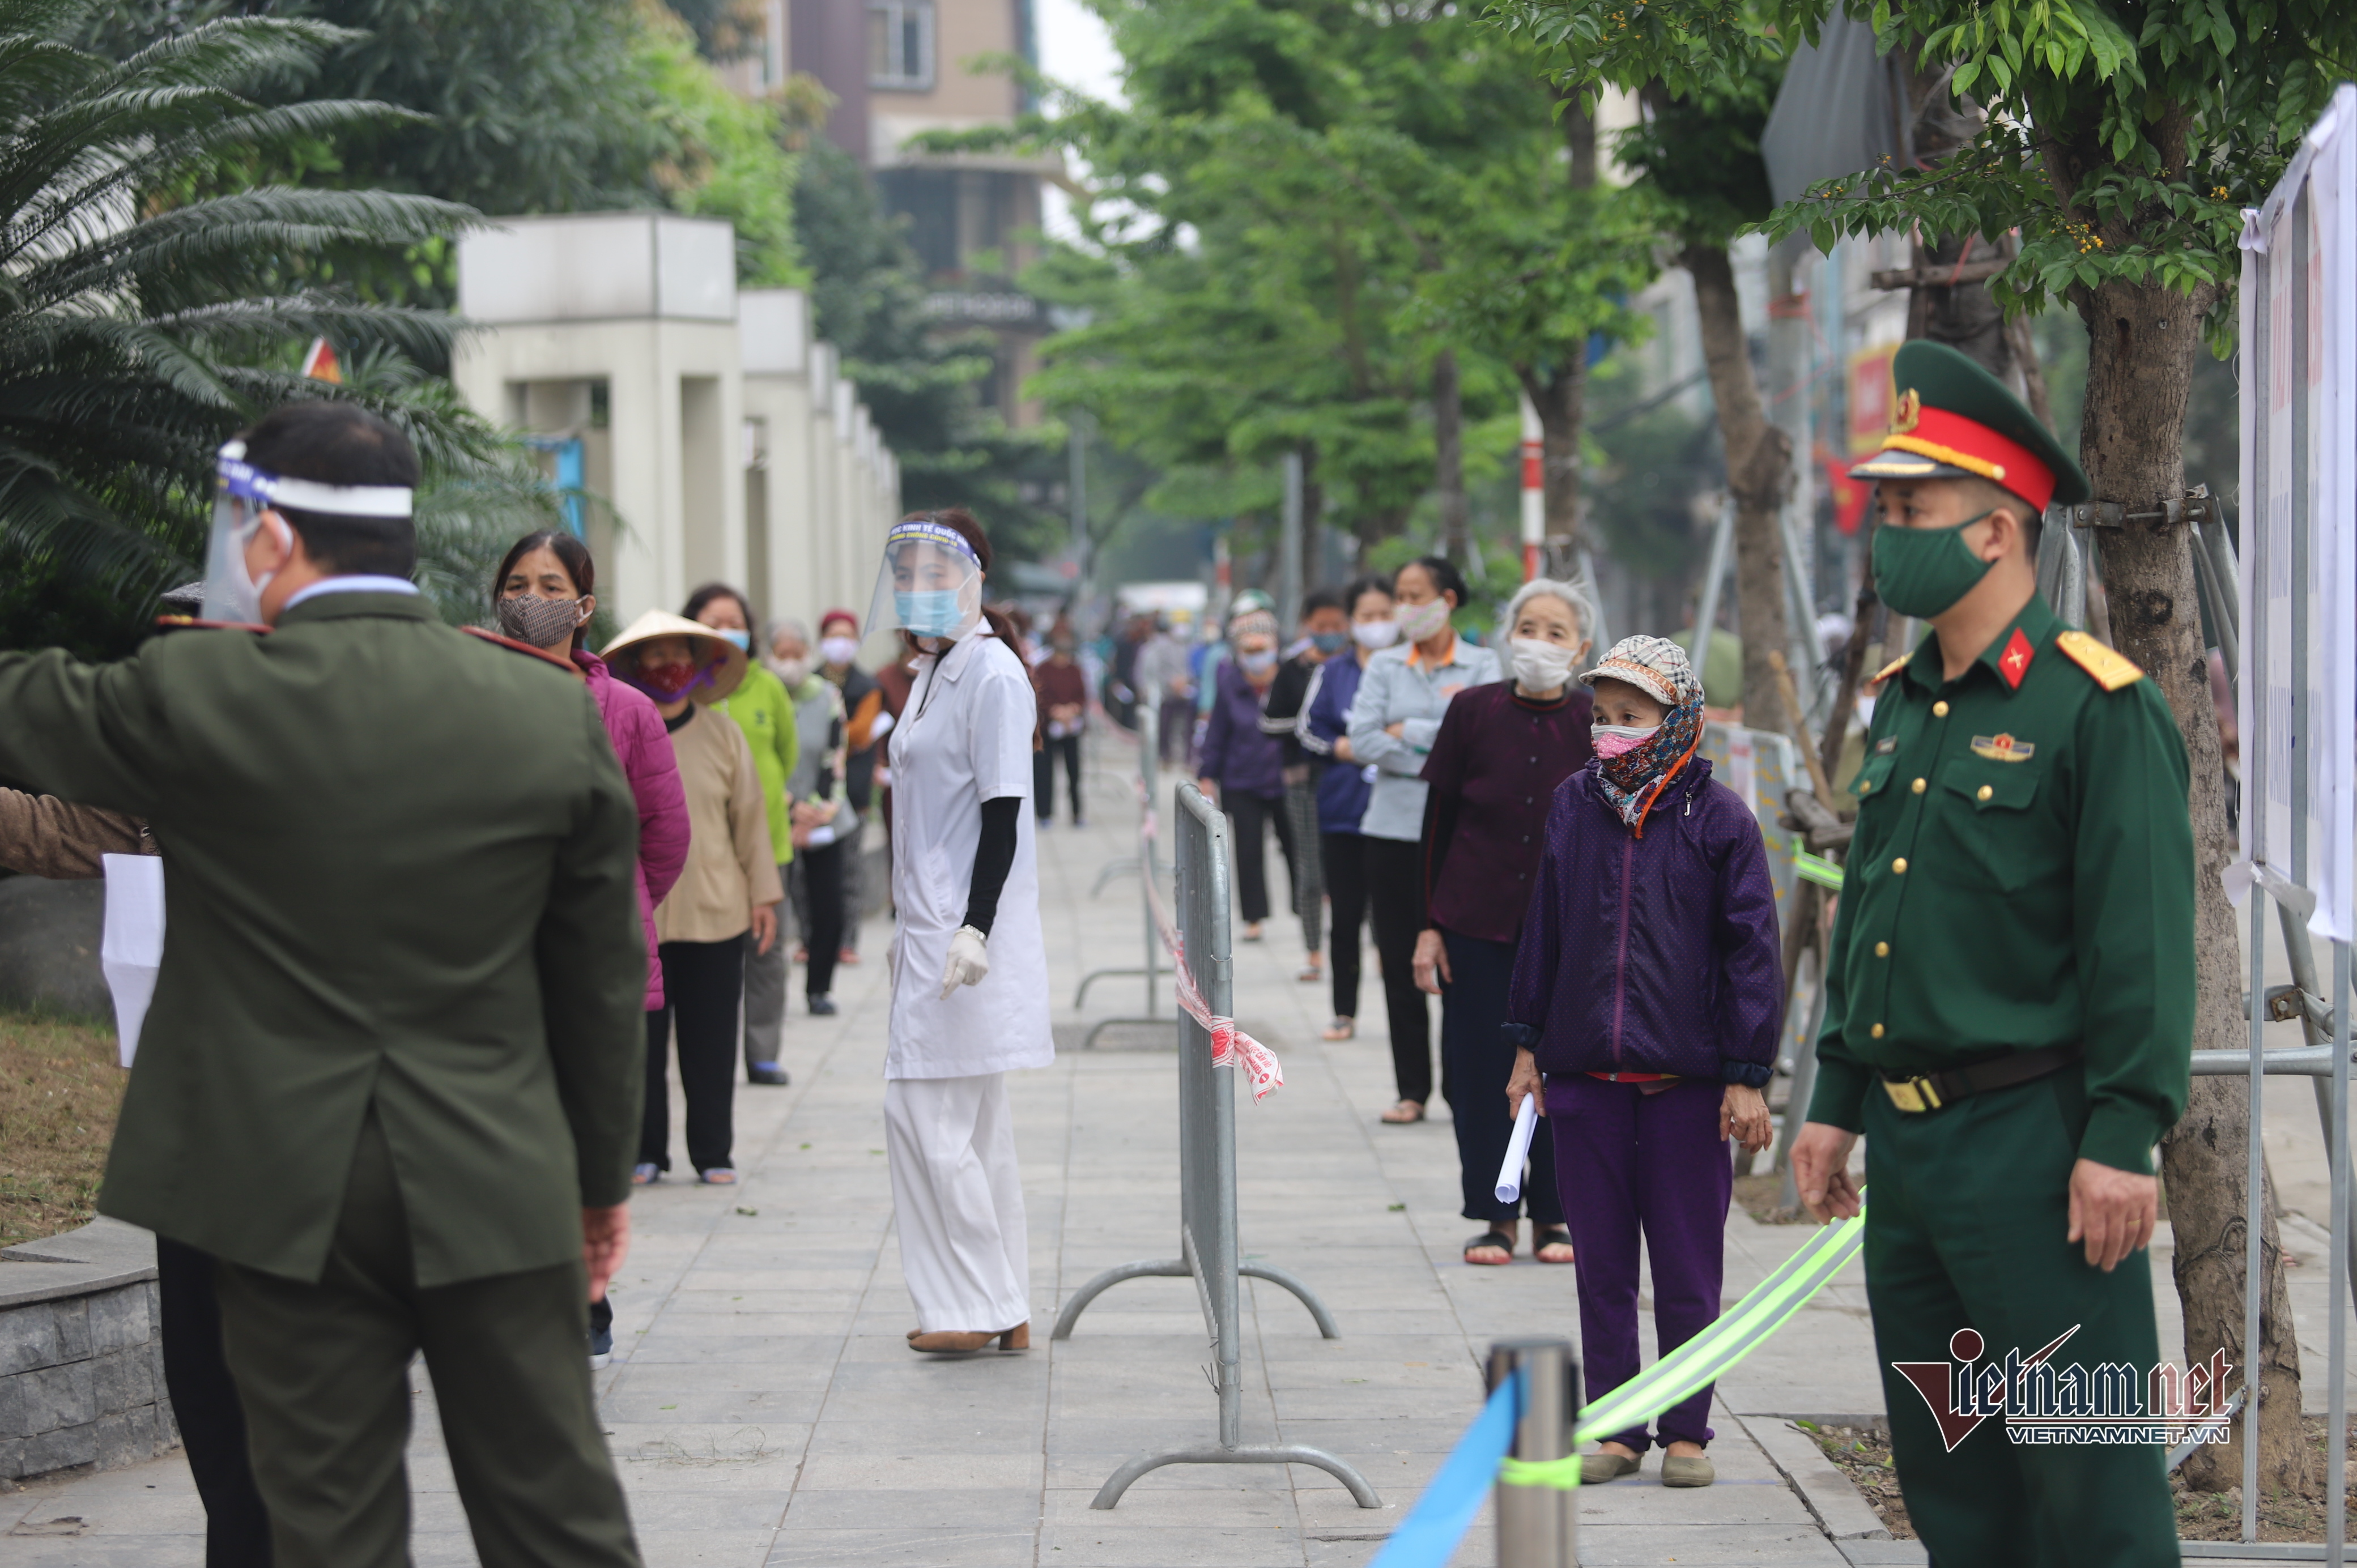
(132, 949)
(1510, 1175)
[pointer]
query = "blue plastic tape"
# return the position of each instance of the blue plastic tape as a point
(1442, 1516)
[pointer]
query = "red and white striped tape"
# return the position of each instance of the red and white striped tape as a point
(1231, 1046)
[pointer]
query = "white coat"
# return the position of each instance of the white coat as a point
(964, 737)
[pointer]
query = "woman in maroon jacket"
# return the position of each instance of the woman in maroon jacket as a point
(1502, 750)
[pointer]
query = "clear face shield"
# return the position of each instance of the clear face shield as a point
(930, 584)
(245, 500)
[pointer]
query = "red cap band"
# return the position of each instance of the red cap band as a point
(1969, 444)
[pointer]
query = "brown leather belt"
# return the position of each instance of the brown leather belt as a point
(1931, 1091)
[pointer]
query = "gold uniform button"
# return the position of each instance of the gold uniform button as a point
(1877, 1031)
(1882, 950)
(1939, 709)
(1982, 793)
(1865, 785)
(1899, 866)
(1917, 786)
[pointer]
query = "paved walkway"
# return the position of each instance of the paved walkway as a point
(765, 1411)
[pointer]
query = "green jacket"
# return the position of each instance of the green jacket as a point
(766, 715)
(398, 865)
(2022, 877)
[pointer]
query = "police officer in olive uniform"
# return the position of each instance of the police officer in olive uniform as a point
(2010, 990)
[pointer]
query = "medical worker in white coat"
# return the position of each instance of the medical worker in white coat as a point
(969, 964)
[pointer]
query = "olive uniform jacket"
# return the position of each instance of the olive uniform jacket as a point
(398, 868)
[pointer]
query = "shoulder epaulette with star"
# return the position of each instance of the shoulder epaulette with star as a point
(1887, 670)
(2112, 670)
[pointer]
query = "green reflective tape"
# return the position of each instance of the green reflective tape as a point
(1817, 869)
(1563, 1475)
(1708, 1355)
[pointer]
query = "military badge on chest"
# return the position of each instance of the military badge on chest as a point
(2002, 748)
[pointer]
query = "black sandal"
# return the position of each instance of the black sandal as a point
(1543, 1237)
(1498, 1239)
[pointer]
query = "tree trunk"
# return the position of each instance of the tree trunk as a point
(1449, 457)
(1560, 394)
(2140, 347)
(1758, 468)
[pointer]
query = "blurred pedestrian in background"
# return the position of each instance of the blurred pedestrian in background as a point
(760, 708)
(1167, 677)
(1648, 988)
(543, 595)
(1063, 715)
(728, 890)
(816, 808)
(1243, 767)
(1502, 750)
(1325, 633)
(1394, 718)
(866, 723)
(1343, 785)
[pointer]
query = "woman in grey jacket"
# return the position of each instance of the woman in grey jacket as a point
(1394, 719)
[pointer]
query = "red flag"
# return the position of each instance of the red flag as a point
(320, 363)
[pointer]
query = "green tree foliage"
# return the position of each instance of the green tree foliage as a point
(717, 154)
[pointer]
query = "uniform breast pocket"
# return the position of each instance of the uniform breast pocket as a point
(1873, 776)
(1987, 828)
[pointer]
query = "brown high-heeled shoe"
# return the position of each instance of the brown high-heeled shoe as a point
(949, 1340)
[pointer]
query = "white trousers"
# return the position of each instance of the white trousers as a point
(958, 1199)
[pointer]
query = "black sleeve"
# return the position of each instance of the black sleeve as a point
(993, 857)
(1439, 829)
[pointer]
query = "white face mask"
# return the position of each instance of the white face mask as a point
(839, 649)
(1374, 634)
(792, 671)
(1542, 666)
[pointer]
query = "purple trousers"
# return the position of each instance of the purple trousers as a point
(1627, 1162)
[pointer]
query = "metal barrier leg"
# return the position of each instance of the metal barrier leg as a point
(1162, 1268)
(1111, 869)
(1089, 1040)
(1081, 997)
(1308, 1299)
(1275, 1453)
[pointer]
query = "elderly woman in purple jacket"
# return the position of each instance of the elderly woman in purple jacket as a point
(1648, 990)
(1243, 766)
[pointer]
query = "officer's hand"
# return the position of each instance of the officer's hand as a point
(1431, 962)
(1523, 1082)
(1820, 1170)
(2113, 1211)
(605, 1242)
(1743, 1115)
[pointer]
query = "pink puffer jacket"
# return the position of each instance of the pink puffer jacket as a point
(644, 746)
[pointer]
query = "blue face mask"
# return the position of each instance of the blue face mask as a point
(740, 640)
(930, 612)
(1329, 642)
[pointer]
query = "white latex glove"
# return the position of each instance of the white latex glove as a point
(969, 961)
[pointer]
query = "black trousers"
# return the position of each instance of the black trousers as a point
(702, 983)
(1345, 865)
(1475, 1063)
(1043, 776)
(205, 1405)
(323, 1371)
(1249, 817)
(1177, 736)
(822, 879)
(1395, 898)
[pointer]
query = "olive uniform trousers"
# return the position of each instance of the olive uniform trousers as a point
(1966, 1212)
(323, 1371)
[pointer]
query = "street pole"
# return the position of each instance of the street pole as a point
(1079, 442)
(1288, 554)
(1538, 1526)
(1534, 487)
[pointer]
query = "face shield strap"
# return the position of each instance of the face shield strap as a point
(925, 608)
(241, 480)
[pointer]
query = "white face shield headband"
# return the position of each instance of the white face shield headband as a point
(930, 584)
(246, 498)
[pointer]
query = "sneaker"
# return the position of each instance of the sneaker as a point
(601, 1349)
(822, 1006)
(770, 1073)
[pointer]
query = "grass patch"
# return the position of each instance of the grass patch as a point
(60, 1090)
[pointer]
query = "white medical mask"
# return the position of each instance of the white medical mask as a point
(1542, 666)
(1421, 623)
(1259, 663)
(792, 671)
(1374, 635)
(838, 650)
(1614, 740)
(736, 637)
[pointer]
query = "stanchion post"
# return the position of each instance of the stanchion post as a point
(1538, 1526)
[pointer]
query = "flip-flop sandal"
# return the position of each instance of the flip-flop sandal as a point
(1393, 1118)
(1490, 1241)
(718, 1175)
(1550, 1236)
(1342, 1028)
(1309, 973)
(645, 1175)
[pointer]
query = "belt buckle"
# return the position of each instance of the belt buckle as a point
(1913, 1095)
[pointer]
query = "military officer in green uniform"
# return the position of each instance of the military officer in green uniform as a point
(2009, 991)
(392, 1076)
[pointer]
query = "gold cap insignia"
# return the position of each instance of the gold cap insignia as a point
(1909, 412)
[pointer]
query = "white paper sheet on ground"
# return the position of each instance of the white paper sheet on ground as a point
(1517, 1149)
(133, 948)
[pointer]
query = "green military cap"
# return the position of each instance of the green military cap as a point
(1953, 420)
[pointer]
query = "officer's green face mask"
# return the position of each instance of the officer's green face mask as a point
(1923, 571)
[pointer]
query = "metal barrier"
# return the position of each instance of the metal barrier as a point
(1538, 1526)
(1147, 866)
(1207, 1171)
